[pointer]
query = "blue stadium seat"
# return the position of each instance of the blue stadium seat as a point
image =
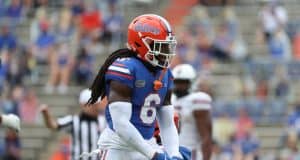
(275, 110)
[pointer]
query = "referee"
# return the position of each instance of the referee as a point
(84, 127)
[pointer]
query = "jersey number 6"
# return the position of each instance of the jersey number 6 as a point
(148, 110)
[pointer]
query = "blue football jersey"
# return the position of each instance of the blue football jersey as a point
(145, 100)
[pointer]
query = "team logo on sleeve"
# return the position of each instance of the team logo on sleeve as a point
(140, 83)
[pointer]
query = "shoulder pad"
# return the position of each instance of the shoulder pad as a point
(200, 100)
(201, 96)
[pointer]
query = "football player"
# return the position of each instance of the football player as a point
(194, 112)
(11, 121)
(137, 83)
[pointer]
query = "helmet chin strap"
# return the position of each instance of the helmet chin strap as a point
(157, 84)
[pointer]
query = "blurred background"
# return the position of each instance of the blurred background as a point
(247, 53)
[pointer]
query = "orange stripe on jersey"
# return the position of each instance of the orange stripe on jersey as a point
(118, 64)
(200, 101)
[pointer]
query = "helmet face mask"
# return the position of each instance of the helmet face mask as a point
(160, 52)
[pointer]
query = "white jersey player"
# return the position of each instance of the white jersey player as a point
(194, 111)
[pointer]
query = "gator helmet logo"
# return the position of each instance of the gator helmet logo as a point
(139, 27)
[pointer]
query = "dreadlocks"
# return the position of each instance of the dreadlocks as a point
(98, 86)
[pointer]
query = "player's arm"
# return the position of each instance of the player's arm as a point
(204, 126)
(48, 118)
(53, 124)
(120, 108)
(168, 131)
(11, 121)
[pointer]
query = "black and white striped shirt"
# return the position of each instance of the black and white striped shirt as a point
(85, 131)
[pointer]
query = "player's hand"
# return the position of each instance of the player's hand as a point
(43, 108)
(161, 156)
(11, 121)
(185, 153)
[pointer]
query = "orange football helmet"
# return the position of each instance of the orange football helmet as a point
(152, 38)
